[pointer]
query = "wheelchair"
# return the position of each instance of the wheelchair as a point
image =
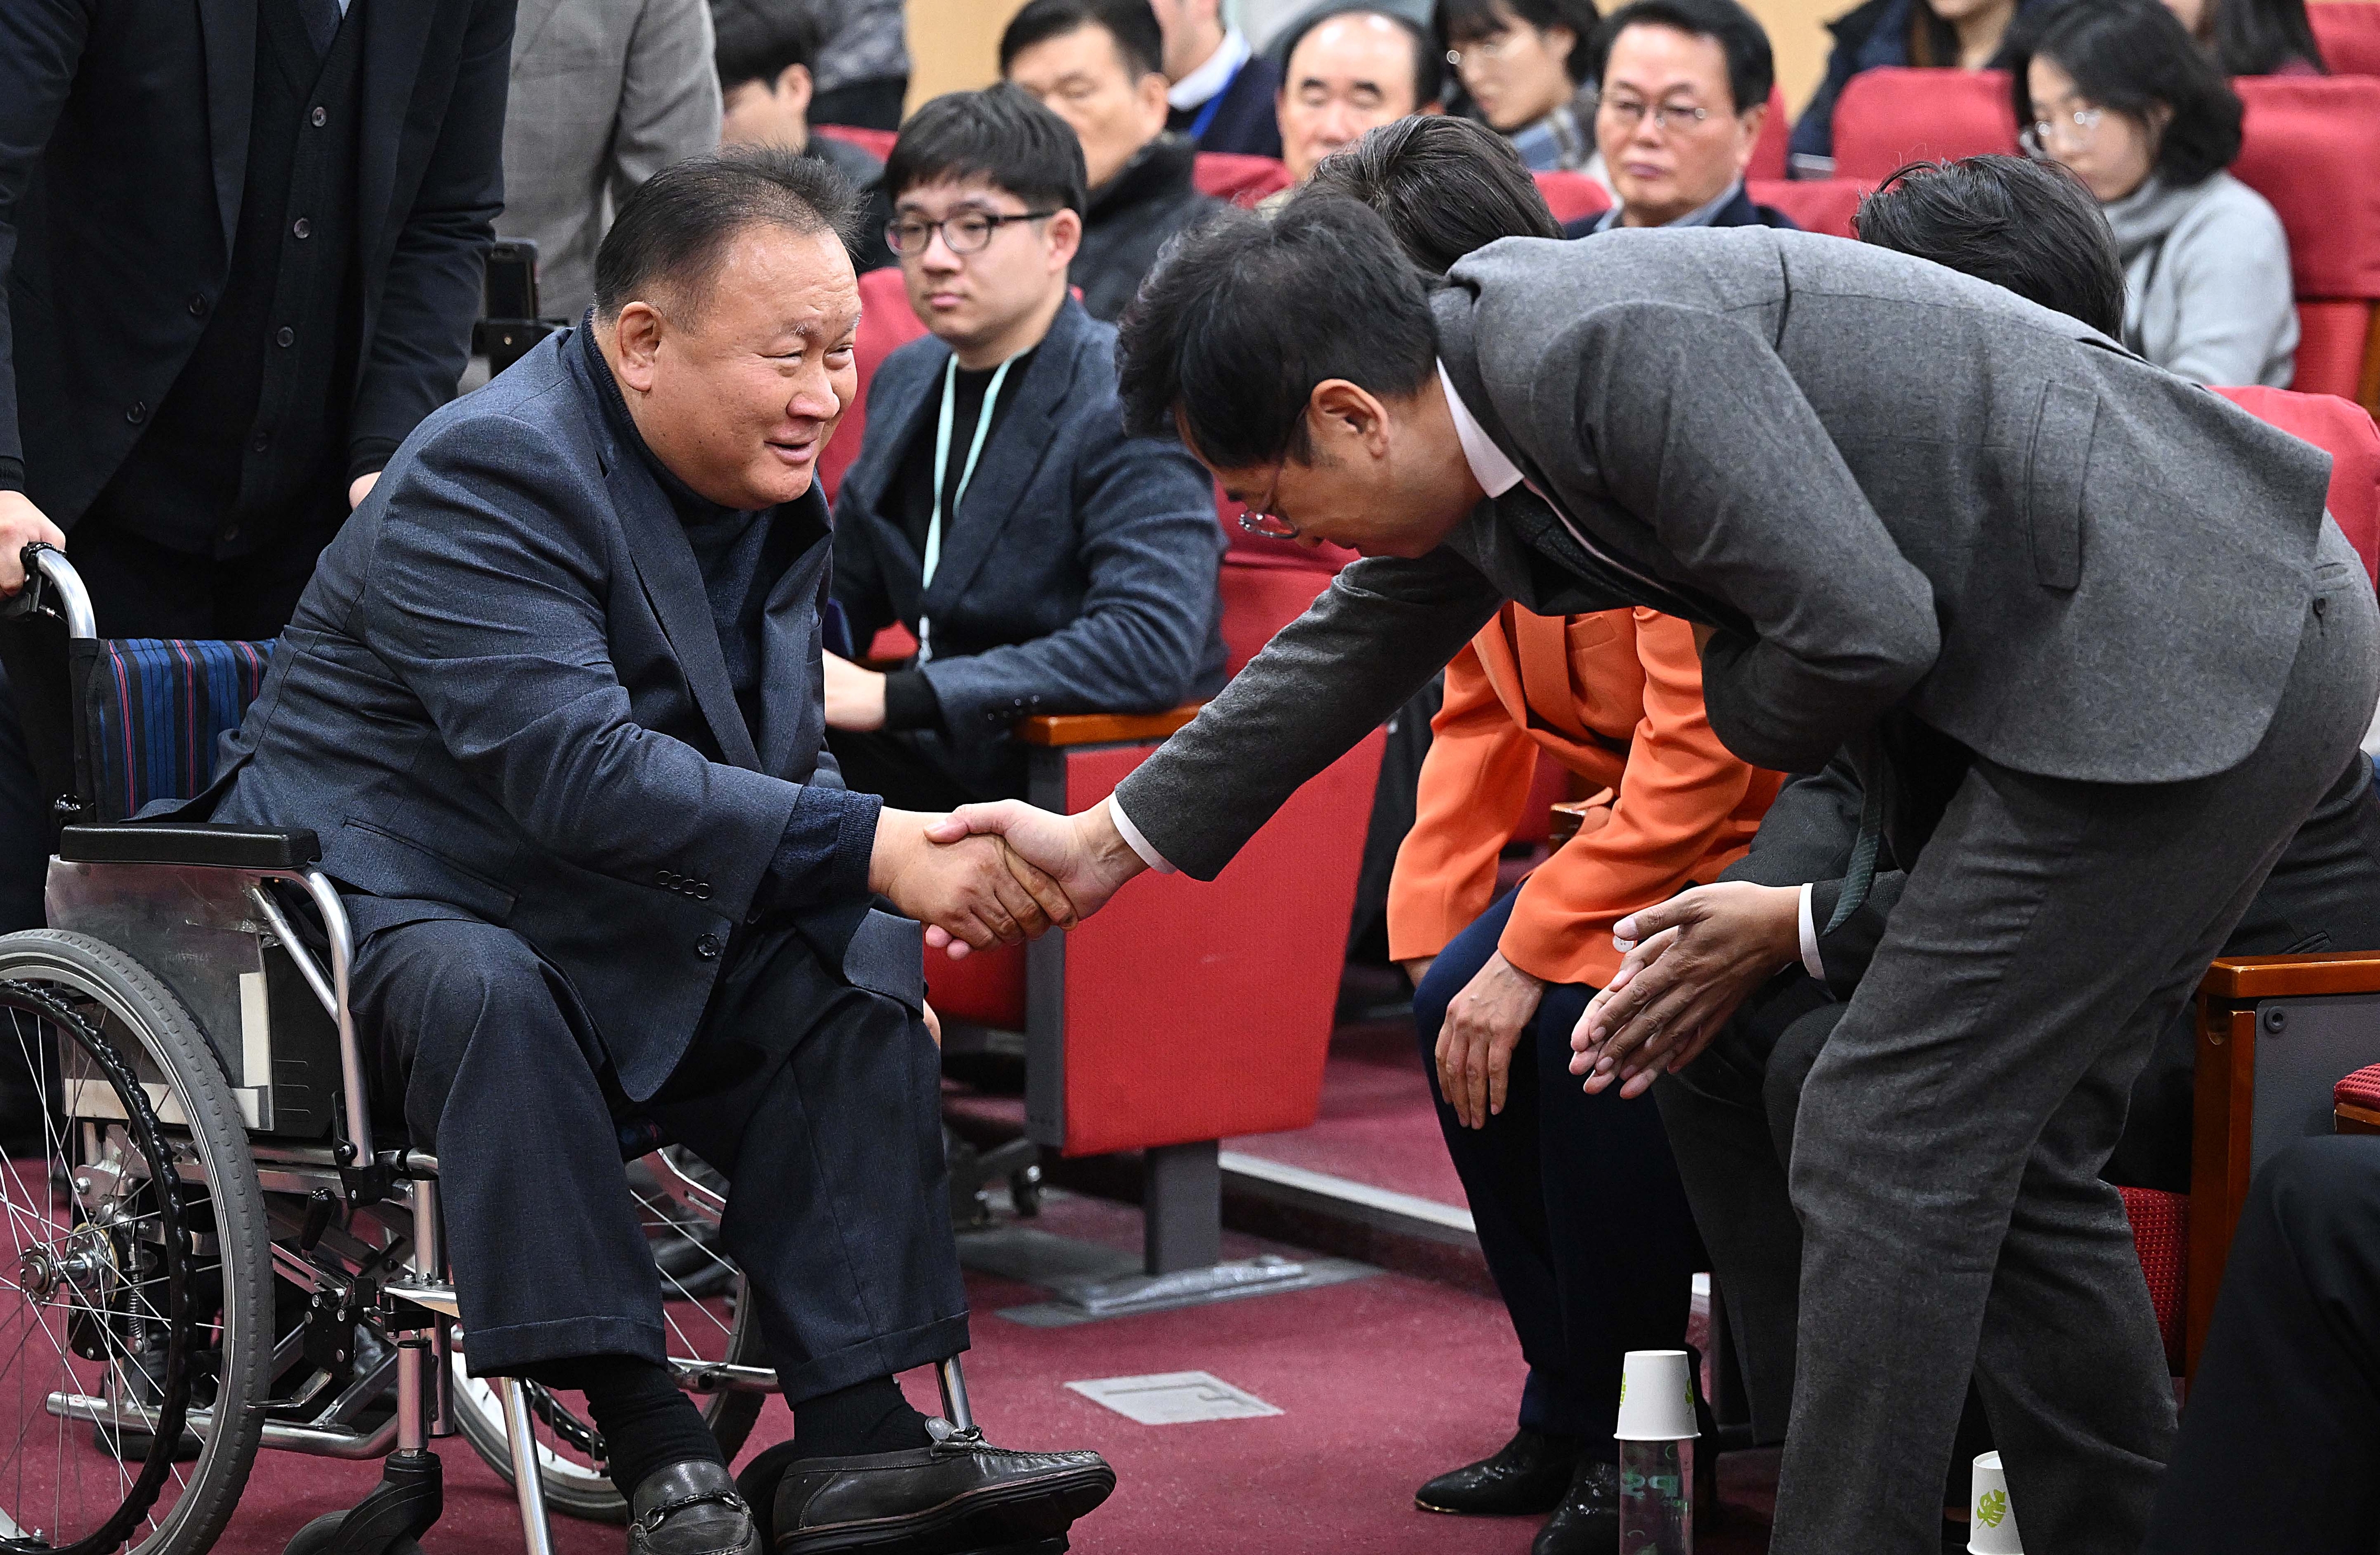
(209, 1246)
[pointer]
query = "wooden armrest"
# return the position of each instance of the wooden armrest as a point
(1103, 728)
(2292, 976)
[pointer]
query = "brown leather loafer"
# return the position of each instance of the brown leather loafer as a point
(960, 1495)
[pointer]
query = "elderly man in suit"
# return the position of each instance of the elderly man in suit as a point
(1045, 561)
(2093, 641)
(551, 703)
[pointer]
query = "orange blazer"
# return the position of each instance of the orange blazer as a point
(1617, 697)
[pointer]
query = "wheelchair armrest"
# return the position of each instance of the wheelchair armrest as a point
(1103, 728)
(229, 847)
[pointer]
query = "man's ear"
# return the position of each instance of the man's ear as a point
(1342, 415)
(637, 336)
(1748, 124)
(1151, 101)
(1065, 237)
(794, 89)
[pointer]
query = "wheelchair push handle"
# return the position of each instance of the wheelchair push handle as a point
(51, 587)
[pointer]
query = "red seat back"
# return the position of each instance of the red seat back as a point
(876, 143)
(886, 325)
(1775, 131)
(2310, 145)
(2345, 431)
(1889, 116)
(1816, 204)
(1572, 195)
(1242, 180)
(2348, 35)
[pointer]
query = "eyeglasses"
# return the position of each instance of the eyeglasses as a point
(2075, 130)
(1260, 519)
(1627, 113)
(1494, 47)
(969, 232)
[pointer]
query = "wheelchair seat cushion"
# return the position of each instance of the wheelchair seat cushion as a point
(153, 708)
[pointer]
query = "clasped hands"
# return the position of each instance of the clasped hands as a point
(998, 874)
(1690, 961)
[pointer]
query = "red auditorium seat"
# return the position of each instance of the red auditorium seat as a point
(2311, 146)
(1775, 131)
(2161, 1238)
(1572, 195)
(2349, 36)
(1242, 180)
(2346, 432)
(1889, 116)
(1816, 204)
(886, 325)
(876, 143)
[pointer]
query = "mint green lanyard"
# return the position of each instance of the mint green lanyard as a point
(942, 469)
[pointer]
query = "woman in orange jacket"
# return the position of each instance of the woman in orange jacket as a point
(1579, 1210)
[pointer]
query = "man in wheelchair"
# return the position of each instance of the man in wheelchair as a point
(552, 704)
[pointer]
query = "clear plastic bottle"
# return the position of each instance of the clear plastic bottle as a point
(1656, 1505)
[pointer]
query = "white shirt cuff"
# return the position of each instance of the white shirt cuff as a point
(1155, 860)
(1811, 961)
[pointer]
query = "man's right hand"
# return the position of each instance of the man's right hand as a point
(20, 524)
(1084, 853)
(970, 892)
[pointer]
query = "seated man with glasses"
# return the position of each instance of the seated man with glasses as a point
(1683, 88)
(1045, 561)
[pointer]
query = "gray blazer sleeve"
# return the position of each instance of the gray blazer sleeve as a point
(1697, 429)
(669, 94)
(1325, 681)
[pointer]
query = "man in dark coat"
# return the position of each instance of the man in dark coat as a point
(768, 60)
(1097, 64)
(1221, 92)
(552, 705)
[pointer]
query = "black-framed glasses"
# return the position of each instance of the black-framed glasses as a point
(1627, 113)
(969, 232)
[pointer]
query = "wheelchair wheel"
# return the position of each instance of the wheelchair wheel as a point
(135, 1325)
(709, 1318)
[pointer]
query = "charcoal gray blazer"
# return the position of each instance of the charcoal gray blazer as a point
(1893, 488)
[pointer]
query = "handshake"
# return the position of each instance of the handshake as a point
(998, 874)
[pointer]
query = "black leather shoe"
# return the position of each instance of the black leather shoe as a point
(958, 1496)
(690, 1509)
(1526, 1477)
(1587, 1522)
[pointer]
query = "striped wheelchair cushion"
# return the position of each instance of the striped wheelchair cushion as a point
(154, 710)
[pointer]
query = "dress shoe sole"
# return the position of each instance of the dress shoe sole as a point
(1012, 1519)
(1537, 1508)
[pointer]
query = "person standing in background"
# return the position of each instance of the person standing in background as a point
(863, 65)
(605, 93)
(1223, 91)
(768, 58)
(243, 246)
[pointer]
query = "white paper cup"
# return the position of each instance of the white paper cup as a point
(1657, 1397)
(1992, 1530)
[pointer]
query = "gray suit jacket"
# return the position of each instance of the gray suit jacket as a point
(1079, 574)
(502, 698)
(605, 93)
(1894, 488)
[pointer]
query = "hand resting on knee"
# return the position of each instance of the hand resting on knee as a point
(1691, 961)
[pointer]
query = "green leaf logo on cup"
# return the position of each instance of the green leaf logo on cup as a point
(1991, 1508)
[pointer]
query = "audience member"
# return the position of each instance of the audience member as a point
(603, 96)
(1349, 71)
(1580, 1214)
(2254, 36)
(1099, 66)
(767, 50)
(573, 640)
(1045, 561)
(1936, 34)
(2027, 226)
(1683, 89)
(862, 78)
(1524, 65)
(243, 251)
(2116, 91)
(1222, 91)
(2277, 1447)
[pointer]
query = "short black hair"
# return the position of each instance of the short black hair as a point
(760, 39)
(1244, 316)
(1445, 187)
(2258, 37)
(1463, 21)
(2027, 226)
(1751, 65)
(1429, 60)
(2132, 57)
(1130, 22)
(1000, 135)
(672, 230)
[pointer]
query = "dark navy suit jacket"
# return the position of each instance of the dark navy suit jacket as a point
(1247, 121)
(503, 698)
(1079, 573)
